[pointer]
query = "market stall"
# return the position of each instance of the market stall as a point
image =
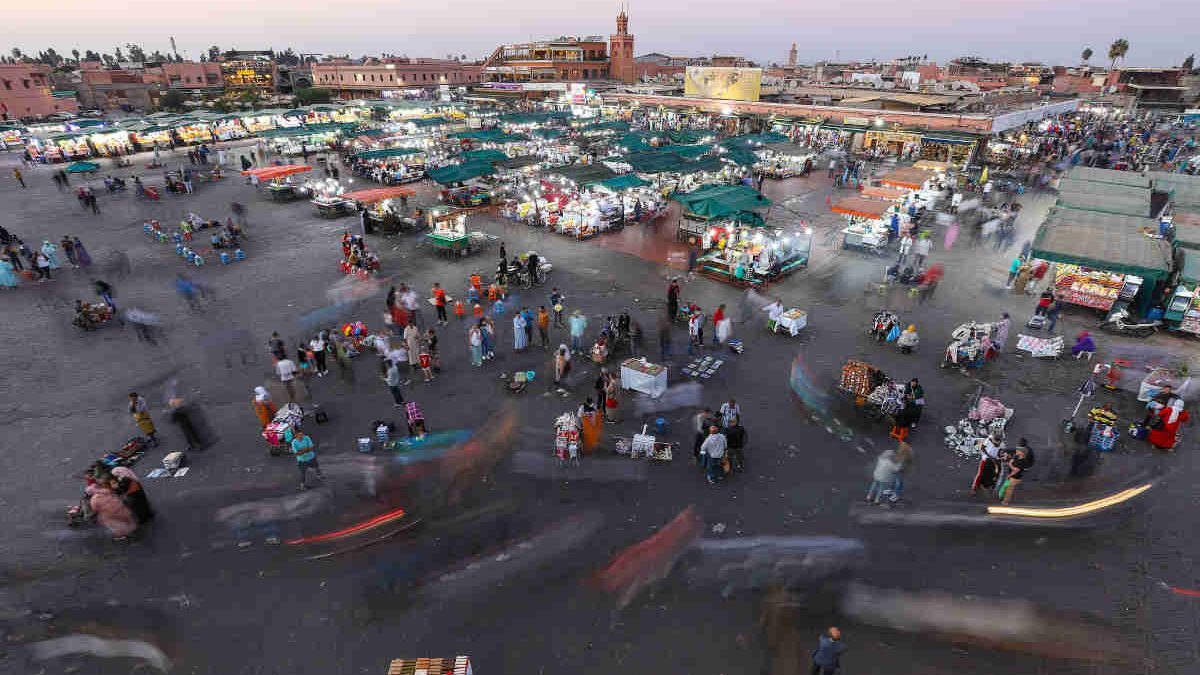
(192, 132)
(869, 224)
(278, 181)
(150, 136)
(110, 142)
(752, 254)
(314, 138)
(11, 136)
(1183, 306)
(784, 160)
(1103, 259)
(737, 203)
(641, 375)
(229, 128)
(448, 231)
(391, 166)
(383, 208)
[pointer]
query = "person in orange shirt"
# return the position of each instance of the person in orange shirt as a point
(264, 408)
(477, 311)
(477, 282)
(460, 312)
(439, 302)
(493, 293)
(543, 326)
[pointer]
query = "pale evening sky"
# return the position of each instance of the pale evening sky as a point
(763, 30)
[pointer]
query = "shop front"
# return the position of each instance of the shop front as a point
(150, 136)
(892, 143)
(952, 147)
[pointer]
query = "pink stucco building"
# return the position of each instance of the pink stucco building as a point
(25, 92)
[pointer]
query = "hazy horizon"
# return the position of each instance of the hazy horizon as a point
(760, 30)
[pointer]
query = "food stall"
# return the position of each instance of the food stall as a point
(739, 253)
(1102, 259)
(383, 208)
(784, 160)
(257, 121)
(391, 166)
(10, 136)
(869, 222)
(148, 136)
(737, 203)
(313, 138)
(192, 131)
(329, 200)
(1183, 306)
(639, 374)
(278, 181)
(228, 128)
(110, 143)
(448, 230)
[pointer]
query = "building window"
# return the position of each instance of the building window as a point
(26, 83)
(7, 84)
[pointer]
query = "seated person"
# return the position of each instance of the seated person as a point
(1102, 415)
(1084, 344)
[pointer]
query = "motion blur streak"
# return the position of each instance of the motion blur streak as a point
(756, 563)
(483, 573)
(101, 648)
(651, 559)
(365, 525)
(1071, 511)
(803, 387)
(1016, 625)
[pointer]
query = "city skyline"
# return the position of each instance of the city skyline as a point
(759, 29)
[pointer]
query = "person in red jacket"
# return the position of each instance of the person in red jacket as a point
(439, 302)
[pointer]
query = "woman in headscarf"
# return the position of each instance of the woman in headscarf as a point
(1165, 434)
(110, 511)
(908, 339)
(133, 494)
(562, 365)
(51, 252)
(264, 408)
(81, 254)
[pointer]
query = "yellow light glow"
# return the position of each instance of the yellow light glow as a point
(1071, 511)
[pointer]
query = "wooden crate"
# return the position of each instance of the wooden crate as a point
(458, 665)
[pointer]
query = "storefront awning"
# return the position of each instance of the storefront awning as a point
(1102, 242)
(376, 195)
(273, 172)
(862, 207)
(384, 153)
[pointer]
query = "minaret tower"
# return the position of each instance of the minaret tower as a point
(620, 51)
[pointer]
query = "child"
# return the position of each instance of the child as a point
(426, 362)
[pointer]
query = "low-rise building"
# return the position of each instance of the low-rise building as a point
(1151, 88)
(387, 77)
(25, 92)
(564, 58)
(250, 71)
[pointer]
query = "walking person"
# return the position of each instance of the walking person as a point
(488, 332)
(556, 303)
(883, 476)
(264, 407)
(20, 178)
(1002, 329)
(543, 326)
(318, 347)
(562, 366)
(286, 369)
(713, 450)
(578, 324)
(425, 358)
(921, 250)
(412, 342)
(393, 379)
(520, 343)
(439, 303)
(105, 291)
(1020, 462)
(68, 247)
(475, 342)
(141, 417)
(904, 457)
(827, 657)
(42, 264)
(306, 457)
(673, 299)
(51, 252)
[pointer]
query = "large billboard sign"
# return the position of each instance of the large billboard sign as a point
(732, 84)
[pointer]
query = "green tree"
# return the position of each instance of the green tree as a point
(75, 53)
(1189, 63)
(90, 55)
(136, 53)
(16, 54)
(1087, 54)
(1117, 50)
(310, 95)
(171, 100)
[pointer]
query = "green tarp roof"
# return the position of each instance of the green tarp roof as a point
(1181, 189)
(549, 133)
(612, 125)
(653, 161)
(1189, 268)
(517, 162)
(80, 167)
(582, 174)
(705, 164)
(722, 201)
(1107, 203)
(534, 117)
(686, 136)
(1103, 242)
(309, 129)
(691, 151)
(740, 156)
(1107, 189)
(638, 140)
(1108, 176)
(483, 156)
(754, 140)
(426, 122)
(489, 136)
(458, 173)
(383, 153)
(618, 183)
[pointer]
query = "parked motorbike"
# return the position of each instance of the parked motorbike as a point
(1120, 321)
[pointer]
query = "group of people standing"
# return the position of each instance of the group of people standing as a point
(720, 441)
(17, 257)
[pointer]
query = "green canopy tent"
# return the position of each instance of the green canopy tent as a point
(741, 156)
(685, 136)
(709, 164)
(457, 173)
(691, 151)
(489, 136)
(638, 141)
(581, 174)
(488, 156)
(1104, 243)
(618, 183)
(711, 202)
(1189, 267)
(384, 153)
(534, 117)
(428, 122)
(653, 161)
(1104, 202)
(754, 140)
(1108, 176)
(549, 133)
(598, 127)
(1181, 189)
(309, 130)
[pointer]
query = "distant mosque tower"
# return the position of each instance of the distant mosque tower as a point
(620, 51)
(792, 56)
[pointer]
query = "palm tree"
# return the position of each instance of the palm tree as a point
(75, 53)
(1117, 50)
(1189, 63)
(1087, 54)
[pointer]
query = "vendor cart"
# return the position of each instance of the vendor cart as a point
(566, 438)
(332, 207)
(873, 393)
(969, 345)
(279, 433)
(645, 446)
(882, 324)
